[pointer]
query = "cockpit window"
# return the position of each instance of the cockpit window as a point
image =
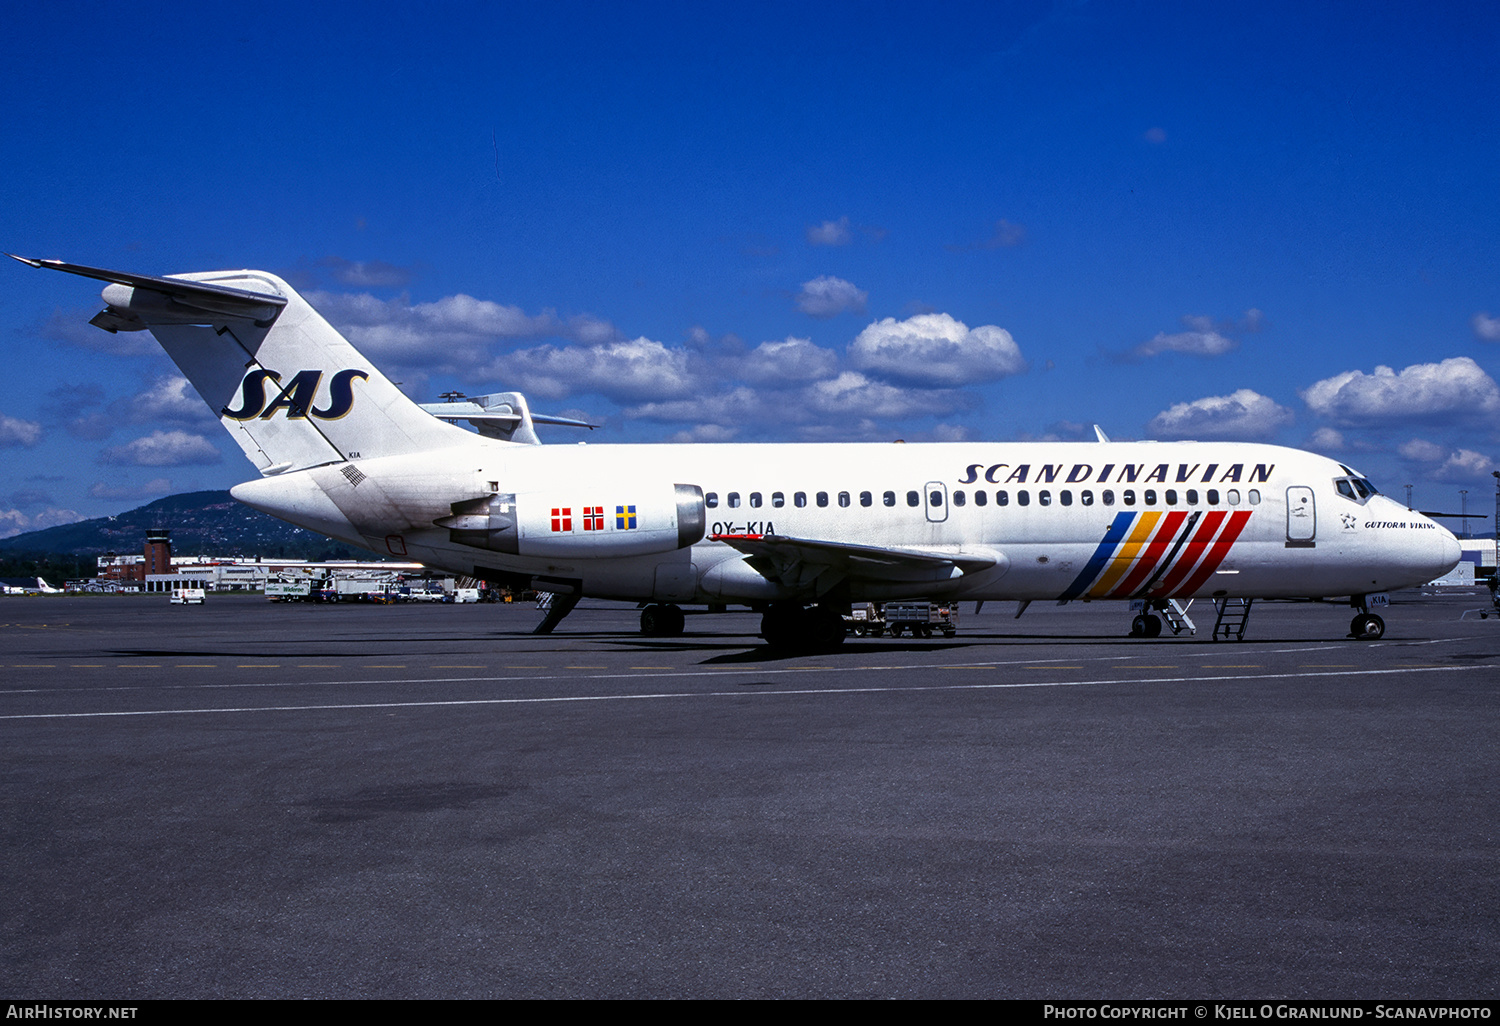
(1355, 488)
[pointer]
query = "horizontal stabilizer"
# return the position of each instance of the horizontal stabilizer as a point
(503, 415)
(198, 297)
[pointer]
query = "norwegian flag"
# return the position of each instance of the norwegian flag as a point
(562, 518)
(593, 518)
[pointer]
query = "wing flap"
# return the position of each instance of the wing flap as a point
(796, 562)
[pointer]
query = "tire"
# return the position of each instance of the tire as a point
(1138, 627)
(1367, 627)
(1153, 626)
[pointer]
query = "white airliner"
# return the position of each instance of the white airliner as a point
(797, 531)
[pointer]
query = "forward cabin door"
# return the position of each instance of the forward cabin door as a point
(935, 497)
(1301, 517)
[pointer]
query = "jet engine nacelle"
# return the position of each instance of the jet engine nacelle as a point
(603, 520)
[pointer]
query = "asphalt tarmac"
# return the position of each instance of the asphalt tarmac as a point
(247, 799)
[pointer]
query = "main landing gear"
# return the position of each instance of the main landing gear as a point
(662, 620)
(798, 629)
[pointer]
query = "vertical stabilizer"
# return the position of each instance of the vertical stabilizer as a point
(289, 388)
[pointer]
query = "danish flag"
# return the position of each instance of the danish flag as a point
(562, 518)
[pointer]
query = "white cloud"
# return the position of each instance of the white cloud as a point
(366, 274)
(1242, 414)
(453, 334)
(790, 361)
(826, 296)
(936, 349)
(641, 369)
(170, 397)
(1326, 438)
(1464, 465)
(163, 449)
(151, 489)
(14, 522)
(830, 233)
(706, 433)
(1456, 389)
(1422, 451)
(1486, 327)
(1444, 464)
(736, 406)
(1198, 343)
(1204, 337)
(853, 394)
(18, 432)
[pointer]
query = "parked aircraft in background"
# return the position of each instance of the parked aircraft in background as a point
(797, 531)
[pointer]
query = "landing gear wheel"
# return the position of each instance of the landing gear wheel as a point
(1367, 627)
(661, 621)
(1145, 626)
(802, 630)
(780, 626)
(824, 629)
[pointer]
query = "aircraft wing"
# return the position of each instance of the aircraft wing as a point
(798, 562)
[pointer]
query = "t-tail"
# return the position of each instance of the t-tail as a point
(291, 390)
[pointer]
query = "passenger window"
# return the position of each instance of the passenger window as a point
(1192, 497)
(778, 500)
(1213, 496)
(1044, 498)
(799, 499)
(711, 500)
(1067, 497)
(1171, 496)
(914, 498)
(935, 499)
(958, 498)
(1086, 497)
(1002, 498)
(1255, 496)
(755, 500)
(1023, 498)
(980, 498)
(734, 500)
(1150, 496)
(843, 498)
(1108, 498)
(822, 499)
(866, 499)
(1233, 496)
(889, 498)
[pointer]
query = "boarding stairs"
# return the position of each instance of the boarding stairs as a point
(1176, 615)
(1234, 615)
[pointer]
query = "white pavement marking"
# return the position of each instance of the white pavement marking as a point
(559, 699)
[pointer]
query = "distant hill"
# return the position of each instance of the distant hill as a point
(202, 524)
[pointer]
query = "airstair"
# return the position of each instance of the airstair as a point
(1176, 615)
(1234, 614)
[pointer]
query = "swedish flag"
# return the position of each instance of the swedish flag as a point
(624, 518)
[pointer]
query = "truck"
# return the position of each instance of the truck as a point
(920, 617)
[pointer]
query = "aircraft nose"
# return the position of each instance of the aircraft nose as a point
(1450, 551)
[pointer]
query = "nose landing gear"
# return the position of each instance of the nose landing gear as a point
(1365, 626)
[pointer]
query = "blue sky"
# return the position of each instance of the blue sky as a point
(775, 222)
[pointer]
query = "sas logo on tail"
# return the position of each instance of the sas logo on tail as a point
(298, 397)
